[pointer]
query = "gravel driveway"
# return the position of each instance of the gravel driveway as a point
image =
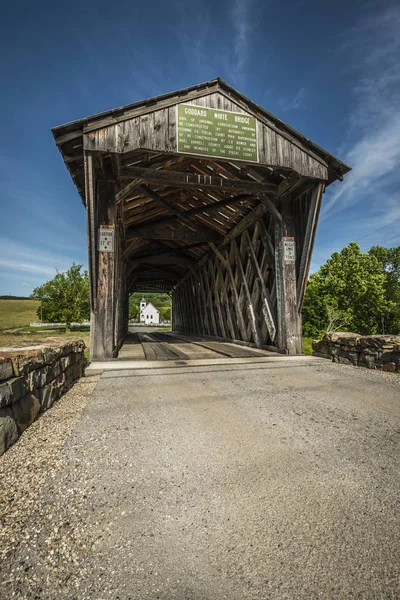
(249, 482)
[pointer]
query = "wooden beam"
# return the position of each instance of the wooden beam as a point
(221, 320)
(190, 221)
(250, 308)
(170, 234)
(266, 305)
(248, 220)
(288, 319)
(228, 305)
(270, 206)
(289, 185)
(178, 251)
(180, 261)
(219, 255)
(103, 316)
(192, 180)
(91, 220)
(127, 189)
(266, 240)
(308, 244)
(68, 137)
(209, 208)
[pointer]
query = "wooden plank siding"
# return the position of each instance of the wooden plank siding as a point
(156, 131)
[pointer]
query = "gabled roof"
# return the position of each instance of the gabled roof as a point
(150, 304)
(75, 129)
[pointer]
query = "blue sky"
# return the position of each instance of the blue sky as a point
(329, 69)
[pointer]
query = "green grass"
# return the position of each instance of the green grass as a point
(39, 336)
(307, 345)
(17, 313)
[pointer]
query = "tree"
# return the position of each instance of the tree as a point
(389, 260)
(66, 298)
(351, 287)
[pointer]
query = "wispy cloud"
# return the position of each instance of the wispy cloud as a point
(243, 28)
(25, 284)
(374, 126)
(27, 259)
(295, 103)
(15, 265)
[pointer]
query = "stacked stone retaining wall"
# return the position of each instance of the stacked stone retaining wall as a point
(32, 377)
(371, 351)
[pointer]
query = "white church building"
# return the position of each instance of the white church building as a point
(148, 313)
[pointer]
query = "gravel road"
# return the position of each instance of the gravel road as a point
(247, 482)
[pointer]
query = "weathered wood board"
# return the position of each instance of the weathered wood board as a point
(156, 130)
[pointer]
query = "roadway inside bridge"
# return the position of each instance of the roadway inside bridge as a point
(142, 344)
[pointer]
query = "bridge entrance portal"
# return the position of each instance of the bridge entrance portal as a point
(206, 195)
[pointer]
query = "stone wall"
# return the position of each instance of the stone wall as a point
(33, 375)
(371, 351)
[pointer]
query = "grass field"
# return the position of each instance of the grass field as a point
(17, 313)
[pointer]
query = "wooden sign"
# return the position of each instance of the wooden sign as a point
(219, 133)
(106, 240)
(289, 251)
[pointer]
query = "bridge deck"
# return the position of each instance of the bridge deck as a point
(155, 346)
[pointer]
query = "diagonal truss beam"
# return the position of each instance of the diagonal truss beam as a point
(192, 180)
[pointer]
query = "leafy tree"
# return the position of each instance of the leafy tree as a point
(66, 298)
(350, 287)
(389, 260)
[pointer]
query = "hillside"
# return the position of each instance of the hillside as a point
(17, 313)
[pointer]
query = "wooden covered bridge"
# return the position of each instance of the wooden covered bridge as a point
(204, 194)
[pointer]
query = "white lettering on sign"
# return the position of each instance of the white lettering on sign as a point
(106, 240)
(289, 252)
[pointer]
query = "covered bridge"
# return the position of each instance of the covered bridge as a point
(204, 194)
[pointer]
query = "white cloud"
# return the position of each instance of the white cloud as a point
(243, 28)
(25, 284)
(28, 259)
(295, 103)
(374, 126)
(7, 264)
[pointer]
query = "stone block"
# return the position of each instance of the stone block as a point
(342, 337)
(19, 387)
(51, 355)
(38, 378)
(8, 429)
(5, 394)
(390, 367)
(6, 368)
(47, 396)
(353, 358)
(379, 341)
(370, 361)
(13, 389)
(26, 360)
(53, 371)
(386, 357)
(65, 361)
(344, 360)
(25, 411)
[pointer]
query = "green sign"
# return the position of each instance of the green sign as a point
(213, 132)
